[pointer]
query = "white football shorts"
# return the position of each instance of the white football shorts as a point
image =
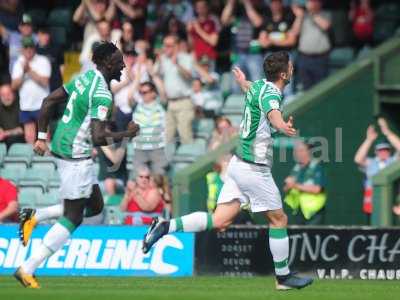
(250, 183)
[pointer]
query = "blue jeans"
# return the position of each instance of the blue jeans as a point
(312, 69)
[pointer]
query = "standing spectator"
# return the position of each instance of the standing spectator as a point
(149, 145)
(361, 16)
(88, 13)
(123, 113)
(25, 28)
(4, 56)
(313, 27)
(203, 32)
(103, 33)
(10, 128)
(383, 158)
(223, 133)
(305, 187)
(181, 9)
(134, 12)
(142, 201)
(245, 24)
(30, 76)
(8, 201)
(176, 70)
(54, 54)
(277, 34)
(127, 36)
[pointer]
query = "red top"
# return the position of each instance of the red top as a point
(134, 207)
(8, 194)
(200, 46)
(363, 25)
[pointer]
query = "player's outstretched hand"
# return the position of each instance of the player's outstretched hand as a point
(40, 147)
(239, 75)
(289, 130)
(133, 129)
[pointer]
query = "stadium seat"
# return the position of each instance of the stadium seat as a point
(42, 174)
(130, 151)
(214, 103)
(43, 162)
(59, 35)
(38, 16)
(15, 165)
(170, 150)
(178, 166)
(47, 199)
(234, 104)
(60, 17)
(113, 215)
(340, 57)
(341, 28)
(203, 128)
(20, 149)
(29, 196)
(189, 152)
(11, 174)
(3, 152)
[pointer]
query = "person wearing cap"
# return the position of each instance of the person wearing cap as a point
(383, 158)
(30, 77)
(25, 29)
(305, 187)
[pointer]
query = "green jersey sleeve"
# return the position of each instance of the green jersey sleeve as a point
(69, 86)
(270, 101)
(101, 108)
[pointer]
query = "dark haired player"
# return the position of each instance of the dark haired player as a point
(249, 178)
(82, 125)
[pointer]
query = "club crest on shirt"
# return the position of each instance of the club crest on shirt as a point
(102, 112)
(274, 104)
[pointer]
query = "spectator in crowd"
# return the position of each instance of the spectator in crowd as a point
(277, 33)
(206, 93)
(10, 128)
(149, 145)
(89, 13)
(4, 56)
(30, 76)
(10, 14)
(181, 9)
(361, 16)
(142, 201)
(203, 33)
(103, 33)
(383, 158)
(161, 183)
(8, 201)
(176, 69)
(127, 37)
(171, 26)
(134, 12)
(25, 28)
(245, 22)
(143, 65)
(54, 54)
(113, 174)
(223, 133)
(121, 89)
(305, 187)
(313, 27)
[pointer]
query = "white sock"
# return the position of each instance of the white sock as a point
(54, 239)
(194, 222)
(49, 212)
(279, 246)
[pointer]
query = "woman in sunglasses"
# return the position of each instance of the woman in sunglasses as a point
(142, 201)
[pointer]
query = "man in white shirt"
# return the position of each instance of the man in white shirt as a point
(176, 69)
(30, 77)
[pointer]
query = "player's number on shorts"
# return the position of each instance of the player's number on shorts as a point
(246, 123)
(70, 106)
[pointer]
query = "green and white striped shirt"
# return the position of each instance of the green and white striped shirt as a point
(255, 139)
(88, 98)
(151, 119)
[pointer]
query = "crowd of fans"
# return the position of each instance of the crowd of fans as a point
(177, 54)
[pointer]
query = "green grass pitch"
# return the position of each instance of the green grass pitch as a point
(133, 288)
